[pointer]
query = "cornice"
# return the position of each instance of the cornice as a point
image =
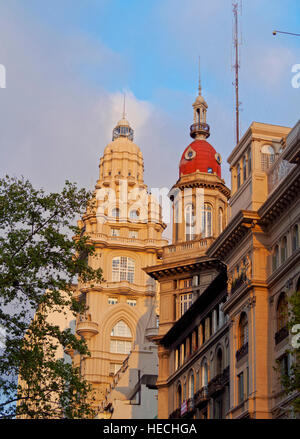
(233, 233)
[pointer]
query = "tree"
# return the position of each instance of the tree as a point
(291, 380)
(39, 263)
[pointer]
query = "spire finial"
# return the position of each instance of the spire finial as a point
(124, 102)
(199, 85)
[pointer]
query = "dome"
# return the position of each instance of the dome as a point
(123, 122)
(200, 156)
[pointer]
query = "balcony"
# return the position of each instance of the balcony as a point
(187, 247)
(238, 282)
(86, 328)
(218, 383)
(199, 128)
(240, 353)
(281, 334)
(201, 397)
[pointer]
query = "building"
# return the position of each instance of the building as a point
(192, 326)
(126, 228)
(260, 247)
(211, 366)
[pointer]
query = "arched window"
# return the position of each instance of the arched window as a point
(275, 257)
(134, 214)
(115, 213)
(283, 249)
(204, 373)
(243, 330)
(121, 338)
(282, 312)
(122, 269)
(219, 364)
(191, 385)
(238, 175)
(244, 168)
(220, 220)
(189, 222)
(267, 157)
(179, 395)
(295, 238)
(207, 220)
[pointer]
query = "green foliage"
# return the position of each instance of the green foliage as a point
(39, 264)
(291, 380)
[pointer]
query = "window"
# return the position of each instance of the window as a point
(275, 258)
(115, 232)
(121, 330)
(295, 238)
(189, 222)
(220, 220)
(191, 385)
(284, 362)
(120, 343)
(249, 162)
(131, 302)
(207, 220)
(113, 368)
(204, 373)
(241, 395)
(282, 312)
(122, 269)
(176, 214)
(187, 283)
(179, 396)
(244, 168)
(218, 408)
(243, 330)
(283, 250)
(133, 234)
(120, 346)
(238, 175)
(115, 213)
(112, 300)
(219, 365)
(134, 214)
(267, 157)
(186, 301)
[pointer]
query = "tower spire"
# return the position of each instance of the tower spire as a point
(199, 81)
(199, 129)
(124, 103)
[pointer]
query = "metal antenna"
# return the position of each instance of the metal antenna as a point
(124, 102)
(235, 6)
(199, 85)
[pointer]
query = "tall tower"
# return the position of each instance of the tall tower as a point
(199, 200)
(126, 228)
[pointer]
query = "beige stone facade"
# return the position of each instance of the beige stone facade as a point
(126, 228)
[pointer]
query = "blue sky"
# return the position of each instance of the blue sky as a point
(68, 63)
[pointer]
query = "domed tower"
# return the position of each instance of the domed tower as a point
(125, 225)
(200, 195)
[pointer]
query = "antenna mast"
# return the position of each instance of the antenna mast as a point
(236, 69)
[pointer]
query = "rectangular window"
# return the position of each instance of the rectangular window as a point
(114, 367)
(120, 346)
(115, 232)
(112, 300)
(240, 388)
(186, 301)
(131, 302)
(188, 283)
(133, 234)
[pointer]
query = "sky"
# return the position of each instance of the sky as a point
(69, 62)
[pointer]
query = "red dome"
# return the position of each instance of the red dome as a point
(200, 156)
